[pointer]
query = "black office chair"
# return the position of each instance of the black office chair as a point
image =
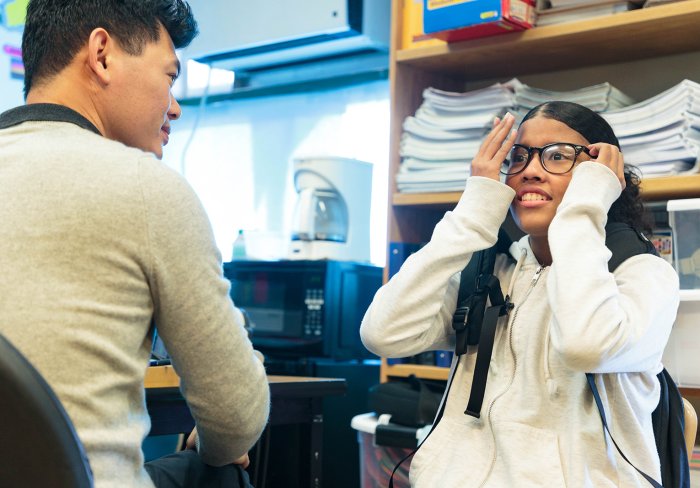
(38, 444)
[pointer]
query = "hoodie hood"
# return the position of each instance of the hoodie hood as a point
(517, 248)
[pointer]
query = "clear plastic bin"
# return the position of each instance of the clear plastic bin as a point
(377, 462)
(682, 353)
(684, 219)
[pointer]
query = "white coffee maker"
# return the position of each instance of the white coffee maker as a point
(332, 212)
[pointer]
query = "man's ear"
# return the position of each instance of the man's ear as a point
(100, 54)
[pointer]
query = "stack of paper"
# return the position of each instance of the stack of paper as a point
(440, 141)
(443, 137)
(544, 4)
(567, 11)
(661, 135)
(599, 98)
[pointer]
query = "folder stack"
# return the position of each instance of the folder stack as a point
(441, 139)
(661, 135)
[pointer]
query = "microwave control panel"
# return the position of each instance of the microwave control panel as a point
(313, 323)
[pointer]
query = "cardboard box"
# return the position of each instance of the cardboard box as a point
(412, 35)
(459, 20)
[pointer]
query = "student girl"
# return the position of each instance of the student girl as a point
(564, 179)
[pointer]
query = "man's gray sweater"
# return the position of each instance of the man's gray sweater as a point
(97, 242)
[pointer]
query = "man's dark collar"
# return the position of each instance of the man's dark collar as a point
(45, 112)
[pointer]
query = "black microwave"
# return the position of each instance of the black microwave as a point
(305, 308)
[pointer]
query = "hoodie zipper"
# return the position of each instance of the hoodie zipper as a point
(533, 282)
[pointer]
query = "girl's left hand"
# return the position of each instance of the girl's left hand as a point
(610, 156)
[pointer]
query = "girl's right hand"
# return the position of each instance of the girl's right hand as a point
(495, 148)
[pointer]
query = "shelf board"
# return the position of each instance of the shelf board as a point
(426, 199)
(657, 31)
(421, 371)
(653, 189)
(671, 187)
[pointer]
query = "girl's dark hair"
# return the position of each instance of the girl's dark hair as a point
(628, 208)
(55, 30)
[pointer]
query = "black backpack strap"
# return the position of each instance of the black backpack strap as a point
(471, 298)
(499, 306)
(475, 323)
(599, 403)
(669, 432)
(471, 302)
(624, 242)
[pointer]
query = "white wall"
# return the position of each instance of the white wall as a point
(10, 88)
(239, 159)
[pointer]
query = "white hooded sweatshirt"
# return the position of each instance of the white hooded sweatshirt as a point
(539, 425)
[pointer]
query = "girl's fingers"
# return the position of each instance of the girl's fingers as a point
(489, 159)
(497, 124)
(506, 145)
(621, 166)
(497, 136)
(610, 156)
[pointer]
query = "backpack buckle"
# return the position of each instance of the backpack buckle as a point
(460, 319)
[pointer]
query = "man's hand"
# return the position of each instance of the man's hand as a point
(244, 461)
(191, 443)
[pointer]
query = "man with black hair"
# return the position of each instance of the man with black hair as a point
(99, 240)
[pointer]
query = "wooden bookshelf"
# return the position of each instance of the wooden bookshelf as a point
(653, 35)
(405, 370)
(653, 189)
(636, 34)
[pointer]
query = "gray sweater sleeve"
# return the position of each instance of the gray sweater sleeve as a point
(223, 382)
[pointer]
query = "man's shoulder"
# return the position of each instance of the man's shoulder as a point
(70, 141)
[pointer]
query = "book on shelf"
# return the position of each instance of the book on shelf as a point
(398, 253)
(652, 3)
(560, 12)
(554, 4)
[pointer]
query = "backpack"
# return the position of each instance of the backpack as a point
(478, 327)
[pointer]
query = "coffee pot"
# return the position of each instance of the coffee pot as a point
(332, 211)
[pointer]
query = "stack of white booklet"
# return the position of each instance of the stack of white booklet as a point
(661, 135)
(599, 98)
(562, 11)
(439, 142)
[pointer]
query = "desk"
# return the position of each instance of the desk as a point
(294, 400)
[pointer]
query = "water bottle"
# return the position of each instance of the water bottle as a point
(239, 252)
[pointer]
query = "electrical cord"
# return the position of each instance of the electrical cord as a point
(195, 126)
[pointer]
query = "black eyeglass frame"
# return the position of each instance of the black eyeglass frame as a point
(578, 149)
